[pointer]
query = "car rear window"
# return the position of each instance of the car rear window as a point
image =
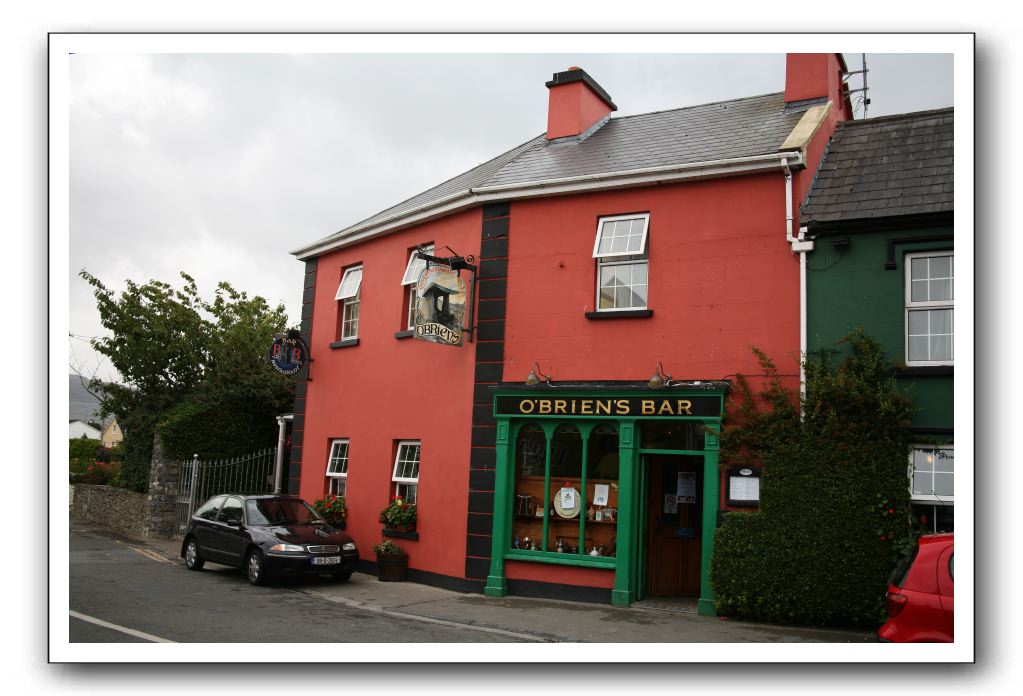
(898, 575)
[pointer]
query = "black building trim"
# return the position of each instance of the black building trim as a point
(624, 314)
(294, 463)
(553, 590)
(489, 370)
(890, 264)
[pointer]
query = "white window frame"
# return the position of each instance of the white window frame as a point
(621, 258)
(408, 482)
(927, 305)
(349, 294)
(337, 480)
(931, 498)
(411, 279)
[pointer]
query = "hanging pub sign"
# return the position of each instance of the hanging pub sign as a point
(288, 354)
(440, 306)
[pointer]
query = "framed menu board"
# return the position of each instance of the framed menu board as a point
(744, 487)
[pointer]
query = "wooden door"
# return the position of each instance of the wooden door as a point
(674, 525)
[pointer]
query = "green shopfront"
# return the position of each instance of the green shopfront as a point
(617, 483)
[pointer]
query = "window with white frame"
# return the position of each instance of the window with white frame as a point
(929, 308)
(620, 249)
(337, 467)
(406, 471)
(348, 293)
(932, 487)
(413, 270)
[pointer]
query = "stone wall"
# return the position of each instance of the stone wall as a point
(114, 508)
(163, 488)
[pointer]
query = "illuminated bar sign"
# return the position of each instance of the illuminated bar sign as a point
(631, 406)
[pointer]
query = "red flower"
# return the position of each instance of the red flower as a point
(891, 511)
(883, 538)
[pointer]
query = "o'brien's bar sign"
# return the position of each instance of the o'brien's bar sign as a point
(705, 406)
(440, 306)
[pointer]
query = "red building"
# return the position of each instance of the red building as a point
(603, 249)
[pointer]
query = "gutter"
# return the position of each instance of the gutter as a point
(550, 187)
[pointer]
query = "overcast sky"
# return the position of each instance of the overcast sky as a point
(220, 164)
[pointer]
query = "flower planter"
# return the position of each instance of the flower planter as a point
(392, 567)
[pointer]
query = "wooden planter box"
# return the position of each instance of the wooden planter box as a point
(392, 567)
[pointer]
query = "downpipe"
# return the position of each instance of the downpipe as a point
(800, 245)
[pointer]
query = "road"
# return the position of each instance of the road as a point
(120, 592)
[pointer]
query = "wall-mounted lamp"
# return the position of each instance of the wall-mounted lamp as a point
(660, 379)
(534, 376)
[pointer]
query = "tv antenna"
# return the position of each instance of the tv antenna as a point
(862, 99)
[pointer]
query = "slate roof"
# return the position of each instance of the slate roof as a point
(709, 132)
(884, 167)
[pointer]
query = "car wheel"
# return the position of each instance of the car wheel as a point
(254, 569)
(193, 561)
(343, 577)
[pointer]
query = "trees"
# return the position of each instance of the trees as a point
(196, 369)
(835, 500)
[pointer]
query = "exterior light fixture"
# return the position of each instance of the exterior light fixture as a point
(534, 376)
(659, 379)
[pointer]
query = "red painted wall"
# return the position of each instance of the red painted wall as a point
(386, 389)
(572, 109)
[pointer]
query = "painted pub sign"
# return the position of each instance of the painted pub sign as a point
(288, 354)
(440, 306)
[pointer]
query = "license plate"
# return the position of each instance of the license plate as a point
(326, 560)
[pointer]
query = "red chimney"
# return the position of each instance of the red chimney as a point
(816, 75)
(576, 103)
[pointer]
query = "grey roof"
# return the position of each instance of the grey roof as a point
(885, 167)
(709, 132)
(83, 405)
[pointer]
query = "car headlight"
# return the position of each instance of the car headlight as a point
(287, 547)
(350, 546)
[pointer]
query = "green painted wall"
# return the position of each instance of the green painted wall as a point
(849, 287)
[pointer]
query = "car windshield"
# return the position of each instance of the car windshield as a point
(272, 511)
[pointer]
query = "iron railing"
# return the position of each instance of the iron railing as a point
(199, 480)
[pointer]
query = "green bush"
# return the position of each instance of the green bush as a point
(834, 501)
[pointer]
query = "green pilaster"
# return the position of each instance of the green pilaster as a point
(711, 482)
(622, 594)
(497, 585)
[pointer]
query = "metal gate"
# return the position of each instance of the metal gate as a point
(200, 480)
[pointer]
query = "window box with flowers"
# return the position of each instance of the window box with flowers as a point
(332, 508)
(399, 519)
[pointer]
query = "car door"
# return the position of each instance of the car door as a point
(946, 585)
(204, 527)
(232, 537)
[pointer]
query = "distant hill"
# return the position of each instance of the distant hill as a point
(84, 406)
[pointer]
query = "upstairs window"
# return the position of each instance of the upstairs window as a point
(348, 297)
(930, 293)
(620, 249)
(410, 280)
(406, 471)
(337, 467)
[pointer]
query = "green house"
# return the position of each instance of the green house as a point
(881, 221)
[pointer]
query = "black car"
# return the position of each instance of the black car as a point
(267, 535)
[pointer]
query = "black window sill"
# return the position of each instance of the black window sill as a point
(404, 334)
(925, 371)
(624, 314)
(398, 534)
(347, 343)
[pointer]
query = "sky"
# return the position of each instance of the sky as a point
(218, 165)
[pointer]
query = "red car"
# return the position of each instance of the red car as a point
(920, 593)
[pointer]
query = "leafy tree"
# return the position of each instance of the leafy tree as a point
(835, 502)
(193, 368)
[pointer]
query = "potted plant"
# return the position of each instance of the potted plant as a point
(392, 562)
(399, 515)
(332, 508)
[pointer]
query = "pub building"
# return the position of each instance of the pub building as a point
(617, 270)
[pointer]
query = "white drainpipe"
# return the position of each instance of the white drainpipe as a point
(800, 245)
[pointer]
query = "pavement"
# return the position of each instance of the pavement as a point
(529, 619)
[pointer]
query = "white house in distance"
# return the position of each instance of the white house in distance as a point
(79, 429)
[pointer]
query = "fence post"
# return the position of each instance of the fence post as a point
(279, 458)
(158, 512)
(192, 492)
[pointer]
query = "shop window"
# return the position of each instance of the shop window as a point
(406, 471)
(410, 280)
(620, 249)
(673, 435)
(932, 473)
(930, 293)
(337, 467)
(577, 506)
(348, 294)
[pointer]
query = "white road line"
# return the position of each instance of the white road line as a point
(123, 629)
